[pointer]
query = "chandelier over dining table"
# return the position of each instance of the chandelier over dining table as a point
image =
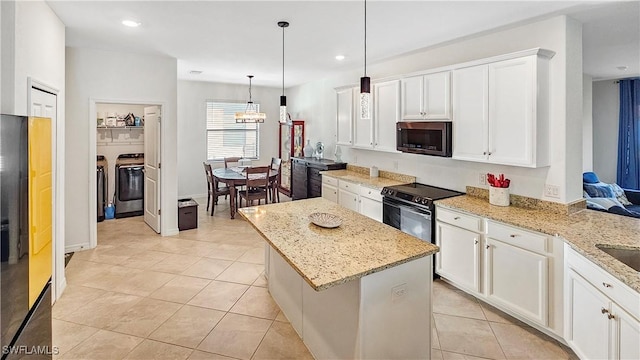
(251, 113)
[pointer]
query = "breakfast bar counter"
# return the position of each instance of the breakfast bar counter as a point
(359, 290)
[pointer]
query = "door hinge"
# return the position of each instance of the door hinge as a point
(159, 118)
(159, 165)
(159, 212)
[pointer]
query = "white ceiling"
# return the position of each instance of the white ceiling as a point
(227, 40)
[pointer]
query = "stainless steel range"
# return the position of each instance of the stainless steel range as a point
(410, 208)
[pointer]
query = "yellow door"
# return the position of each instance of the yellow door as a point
(40, 206)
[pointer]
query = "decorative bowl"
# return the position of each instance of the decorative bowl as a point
(325, 220)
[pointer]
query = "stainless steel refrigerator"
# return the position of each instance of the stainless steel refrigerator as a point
(26, 241)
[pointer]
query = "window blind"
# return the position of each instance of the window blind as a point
(225, 137)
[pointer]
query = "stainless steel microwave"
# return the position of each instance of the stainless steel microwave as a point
(424, 137)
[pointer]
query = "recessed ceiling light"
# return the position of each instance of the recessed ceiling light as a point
(622, 68)
(339, 57)
(195, 72)
(131, 23)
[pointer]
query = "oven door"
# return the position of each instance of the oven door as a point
(409, 218)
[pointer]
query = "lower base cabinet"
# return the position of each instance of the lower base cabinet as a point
(597, 325)
(459, 257)
(365, 200)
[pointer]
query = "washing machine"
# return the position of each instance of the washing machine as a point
(101, 173)
(129, 185)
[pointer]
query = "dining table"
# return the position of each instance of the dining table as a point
(235, 177)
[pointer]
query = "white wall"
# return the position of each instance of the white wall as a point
(606, 117)
(315, 102)
(587, 123)
(105, 75)
(192, 141)
(32, 43)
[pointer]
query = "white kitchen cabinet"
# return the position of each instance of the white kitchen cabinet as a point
(344, 119)
(459, 257)
(330, 188)
(348, 195)
(427, 97)
(386, 113)
(379, 132)
(517, 278)
(370, 203)
(500, 111)
(601, 317)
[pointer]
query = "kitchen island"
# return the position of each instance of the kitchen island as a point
(361, 290)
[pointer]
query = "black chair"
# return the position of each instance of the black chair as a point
(257, 185)
(274, 184)
(213, 188)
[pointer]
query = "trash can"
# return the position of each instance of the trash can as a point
(187, 214)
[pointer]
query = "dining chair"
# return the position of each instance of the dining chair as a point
(213, 188)
(257, 185)
(232, 161)
(274, 184)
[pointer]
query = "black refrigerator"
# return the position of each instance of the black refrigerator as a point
(26, 237)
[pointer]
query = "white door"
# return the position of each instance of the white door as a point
(517, 278)
(344, 117)
(470, 115)
(152, 167)
(511, 114)
(386, 113)
(459, 257)
(588, 326)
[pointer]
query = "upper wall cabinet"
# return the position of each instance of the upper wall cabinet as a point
(427, 97)
(501, 111)
(345, 116)
(379, 132)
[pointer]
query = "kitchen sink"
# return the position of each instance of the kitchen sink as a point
(630, 257)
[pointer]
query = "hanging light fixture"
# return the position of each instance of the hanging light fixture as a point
(251, 114)
(284, 118)
(365, 81)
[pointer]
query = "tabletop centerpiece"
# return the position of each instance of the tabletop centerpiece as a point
(499, 190)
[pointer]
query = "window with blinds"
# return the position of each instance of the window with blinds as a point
(225, 137)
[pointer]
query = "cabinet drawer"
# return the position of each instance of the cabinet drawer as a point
(329, 180)
(348, 186)
(373, 194)
(605, 282)
(517, 237)
(464, 221)
(314, 173)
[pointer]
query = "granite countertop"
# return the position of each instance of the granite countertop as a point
(581, 230)
(355, 177)
(329, 257)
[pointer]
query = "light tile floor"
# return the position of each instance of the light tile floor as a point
(202, 295)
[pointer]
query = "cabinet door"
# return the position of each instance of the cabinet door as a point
(587, 326)
(330, 193)
(386, 112)
(511, 111)
(299, 180)
(459, 257)
(412, 98)
(348, 199)
(344, 117)
(518, 279)
(363, 128)
(470, 122)
(371, 208)
(627, 334)
(437, 92)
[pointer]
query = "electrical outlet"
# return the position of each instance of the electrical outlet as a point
(482, 179)
(398, 292)
(551, 191)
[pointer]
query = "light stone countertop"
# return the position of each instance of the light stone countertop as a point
(376, 183)
(581, 230)
(329, 257)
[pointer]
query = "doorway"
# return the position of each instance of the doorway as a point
(127, 136)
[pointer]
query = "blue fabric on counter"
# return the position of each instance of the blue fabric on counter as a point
(598, 190)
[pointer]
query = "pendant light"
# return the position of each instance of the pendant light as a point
(251, 114)
(284, 118)
(365, 81)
